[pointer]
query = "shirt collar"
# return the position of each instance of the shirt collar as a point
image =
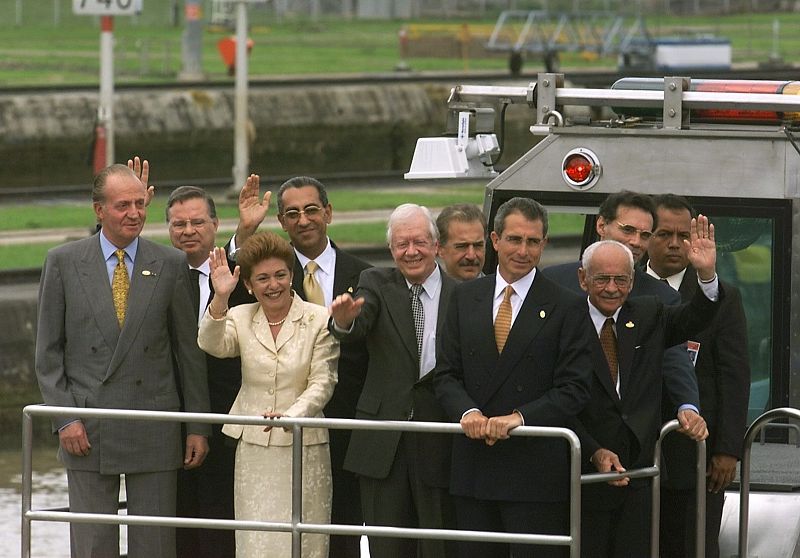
(673, 280)
(521, 286)
(598, 318)
(204, 268)
(109, 249)
(326, 260)
(431, 284)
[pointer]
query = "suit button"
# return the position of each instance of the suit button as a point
(271, 391)
(519, 388)
(269, 409)
(94, 349)
(271, 373)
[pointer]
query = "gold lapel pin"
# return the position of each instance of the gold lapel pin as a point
(629, 325)
(542, 314)
(148, 273)
(349, 289)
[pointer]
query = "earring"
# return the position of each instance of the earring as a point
(249, 291)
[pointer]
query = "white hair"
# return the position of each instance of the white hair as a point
(588, 254)
(407, 211)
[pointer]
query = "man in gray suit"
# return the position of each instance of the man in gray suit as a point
(403, 477)
(115, 328)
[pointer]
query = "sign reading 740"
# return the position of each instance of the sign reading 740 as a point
(106, 7)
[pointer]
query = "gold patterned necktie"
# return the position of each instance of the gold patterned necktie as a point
(502, 323)
(310, 286)
(609, 342)
(120, 284)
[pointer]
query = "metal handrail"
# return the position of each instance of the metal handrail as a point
(744, 471)
(296, 526)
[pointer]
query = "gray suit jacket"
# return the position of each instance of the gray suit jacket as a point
(83, 359)
(393, 389)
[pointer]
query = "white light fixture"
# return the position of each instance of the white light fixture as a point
(459, 157)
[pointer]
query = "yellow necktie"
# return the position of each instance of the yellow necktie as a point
(120, 285)
(311, 287)
(502, 323)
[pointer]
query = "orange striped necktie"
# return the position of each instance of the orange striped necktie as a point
(502, 323)
(120, 285)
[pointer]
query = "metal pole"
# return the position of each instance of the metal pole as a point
(27, 482)
(700, 502)
(105, 112)
(241, 155)
(297, 489)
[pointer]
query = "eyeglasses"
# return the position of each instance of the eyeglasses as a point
(630, 230)
(419, 244)
(181, 225)
(621, 281)
(310, 211)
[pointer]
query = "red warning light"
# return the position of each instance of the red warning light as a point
(580, 169)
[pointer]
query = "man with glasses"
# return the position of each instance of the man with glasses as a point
(462, 240)
(514, 351)
(620, 425)
(403, 477)
(323, 271)
(207, 492)
(630, 218)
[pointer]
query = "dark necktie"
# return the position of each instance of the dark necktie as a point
(194, 288)
(419, 316)
(609, 342)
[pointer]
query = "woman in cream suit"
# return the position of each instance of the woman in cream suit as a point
(288, 369)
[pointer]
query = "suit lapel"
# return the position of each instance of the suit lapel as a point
(93, 276)
(297, 279)
(627, 324)
(262, 332)
(444, 300)
(147, 272)
(398, 305)
(345, 279)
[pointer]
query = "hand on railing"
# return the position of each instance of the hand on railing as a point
(606, 461)
(692, 425)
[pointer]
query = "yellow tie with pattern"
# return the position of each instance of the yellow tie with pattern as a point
(502, 323)
(310, 286)
(120, 285)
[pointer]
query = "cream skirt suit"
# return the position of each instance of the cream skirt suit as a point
(293, 374)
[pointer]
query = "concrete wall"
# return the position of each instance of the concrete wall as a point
(188, 133)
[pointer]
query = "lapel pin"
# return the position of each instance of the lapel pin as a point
(148, 273)
(629, 325)
(349, 289)
(542, 314)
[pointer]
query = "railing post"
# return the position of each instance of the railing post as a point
(297, 489)
(575, 496)
(27, 482)
(700, 502)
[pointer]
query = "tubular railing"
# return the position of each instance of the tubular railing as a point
(296, 526)
(744, 472)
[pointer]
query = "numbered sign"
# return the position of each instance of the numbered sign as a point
(106, 7)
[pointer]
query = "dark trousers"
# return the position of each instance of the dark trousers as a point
(622, 531)
(403, 499)
(146, 494)
(677, 538)
(345, 509)
(541, 518)
(207, 493)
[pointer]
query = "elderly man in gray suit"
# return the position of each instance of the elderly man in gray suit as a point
(116, 329)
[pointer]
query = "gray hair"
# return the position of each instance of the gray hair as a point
(588, 254)
(407, 211)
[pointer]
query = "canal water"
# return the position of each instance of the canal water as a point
(49, 539)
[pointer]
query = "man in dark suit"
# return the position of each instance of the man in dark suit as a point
(403, 476)
(629, 218)
(115, 329)
(514, 352)
(620, 425)
(207, 492)
(462, 240)
(723, 375)
(304, 213)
